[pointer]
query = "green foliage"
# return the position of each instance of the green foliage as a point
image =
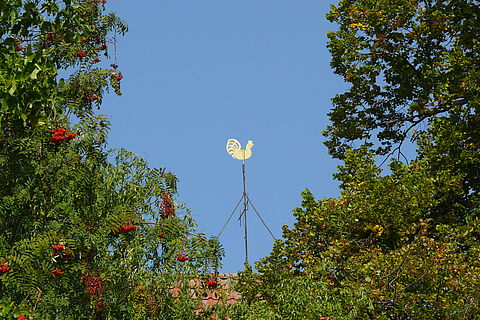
(280, 294)
(85, 232)
(402, 244)
(397, 246)
(70, 194)
(40, 38)
(25, 88)
(407, 62)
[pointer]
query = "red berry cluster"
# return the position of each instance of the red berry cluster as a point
(182, 258)
(58, 247)
(4, 268)
(57, 272)
(67, 254)
(81, 54)
(93, 284)
(95, 2)
(166, 206)
(22, 318)
(19, 47)
(128, 228)
(124, 229)
(211, 283)
(58, 135)
(98, 306)
(201, 237)
(161, 235)
(91, 98)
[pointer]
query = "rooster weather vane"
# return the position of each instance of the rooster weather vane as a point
(234, 149)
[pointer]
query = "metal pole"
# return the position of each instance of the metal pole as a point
(261, 219)
(230, 217)
(245, 203)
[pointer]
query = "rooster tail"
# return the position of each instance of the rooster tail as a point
(232, 146)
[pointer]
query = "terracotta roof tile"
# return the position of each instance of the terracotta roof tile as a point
(212, 296)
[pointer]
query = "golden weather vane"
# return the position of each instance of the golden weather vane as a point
(234, 149)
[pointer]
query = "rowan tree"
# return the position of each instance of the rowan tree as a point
(87, 233)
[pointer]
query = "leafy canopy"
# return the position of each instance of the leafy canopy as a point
(402, 244)
(408, 62)
(87, 233)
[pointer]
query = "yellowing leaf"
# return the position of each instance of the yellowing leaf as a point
(357, 25)
(34, 73)
(12, 90)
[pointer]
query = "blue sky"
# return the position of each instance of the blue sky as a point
(197, 73)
